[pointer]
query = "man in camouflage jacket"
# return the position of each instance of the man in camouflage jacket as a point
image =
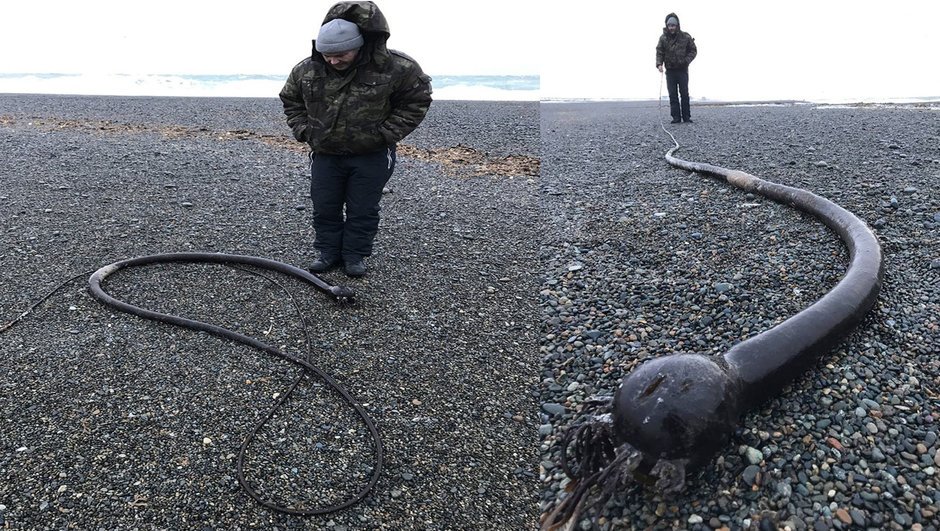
(676, 50)
(351, 101)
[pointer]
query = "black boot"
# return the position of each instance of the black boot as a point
(355, 268)
(323, 264)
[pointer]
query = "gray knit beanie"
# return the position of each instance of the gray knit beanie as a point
(338, 36)
(672, 20)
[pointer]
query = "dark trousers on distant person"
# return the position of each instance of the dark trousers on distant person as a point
(677, 81)
(354, 184)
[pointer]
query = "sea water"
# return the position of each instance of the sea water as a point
(446, 87)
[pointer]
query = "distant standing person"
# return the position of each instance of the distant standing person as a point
(352, 101)
(676, 50)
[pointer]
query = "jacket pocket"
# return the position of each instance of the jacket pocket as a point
(373, 91)
(312, 90)
(373, 83)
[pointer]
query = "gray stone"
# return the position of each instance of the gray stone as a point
(722, 287)
(750, 474)
(753, 455)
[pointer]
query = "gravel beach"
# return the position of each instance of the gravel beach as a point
(109, 421)
(642, 260)
(497, 302)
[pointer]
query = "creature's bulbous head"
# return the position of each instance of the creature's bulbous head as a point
(342, 293)
(682, 406)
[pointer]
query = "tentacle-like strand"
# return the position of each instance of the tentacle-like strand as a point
(616, 475)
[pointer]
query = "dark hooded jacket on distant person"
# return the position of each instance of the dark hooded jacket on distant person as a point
(677, 50)
(373, 104)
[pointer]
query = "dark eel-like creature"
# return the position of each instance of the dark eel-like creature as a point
(339, 293)
(673, 413)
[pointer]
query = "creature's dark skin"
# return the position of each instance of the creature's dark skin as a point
(338, 292)
(675, 412)
(687, 398)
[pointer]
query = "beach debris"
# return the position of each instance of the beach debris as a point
(460, 157)
(457, 160)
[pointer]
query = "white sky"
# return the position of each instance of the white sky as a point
(256, 37)
(797, 49)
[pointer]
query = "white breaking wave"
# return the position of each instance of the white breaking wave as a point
(227, 86)
(478, 93)
(136, 85)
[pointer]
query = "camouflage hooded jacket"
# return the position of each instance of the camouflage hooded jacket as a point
(675, 50)
(373, 104)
